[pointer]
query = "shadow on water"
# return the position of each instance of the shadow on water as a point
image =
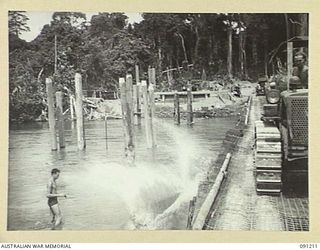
(106, 193)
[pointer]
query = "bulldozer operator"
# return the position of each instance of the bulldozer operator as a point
(301, 69)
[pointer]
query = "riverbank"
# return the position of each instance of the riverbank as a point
(221, 103)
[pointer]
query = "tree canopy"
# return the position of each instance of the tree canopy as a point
(107, 47)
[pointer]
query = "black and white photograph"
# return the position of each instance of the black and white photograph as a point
(158, 121)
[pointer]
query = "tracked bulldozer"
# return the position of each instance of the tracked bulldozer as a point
(281, 140)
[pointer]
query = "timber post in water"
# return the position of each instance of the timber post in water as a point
(59, 109)
(153, 76)
(137, 74)
(51, 114)
(127, 115)
(149, 74)
(71, 107)
(79, 112)
(106, 128)
(189, 107)
(146, 112)
(137, 98)
(176, 108)
(136, 104)
(152, 85)
(151, 115)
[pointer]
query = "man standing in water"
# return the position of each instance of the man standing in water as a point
(52, 196)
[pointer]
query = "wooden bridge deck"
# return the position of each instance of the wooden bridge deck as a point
(195, 94)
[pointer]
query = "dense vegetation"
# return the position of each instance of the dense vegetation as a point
(106, 47)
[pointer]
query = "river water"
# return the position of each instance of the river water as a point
(104, 192)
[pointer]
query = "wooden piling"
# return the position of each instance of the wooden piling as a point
(153, 76)
(106, 129)
(79, 112)
(146, 112)
(127, 114)
(137, 96)
(149, 75)
(71, 107)
(189, 107)
(151, 115)
(139, 104)
(59, 112)
(137, 74)
(73, 124)
(136, 104)
(176, 108)
(51, 114)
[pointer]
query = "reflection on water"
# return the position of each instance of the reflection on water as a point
(104, 192)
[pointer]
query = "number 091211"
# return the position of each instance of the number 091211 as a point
(310, 245)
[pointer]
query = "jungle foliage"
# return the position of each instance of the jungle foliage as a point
(107, 47)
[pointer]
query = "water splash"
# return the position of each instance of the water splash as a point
(185, 148)
(144, 190)
(187, 161)
(154, 194)
(106, 193)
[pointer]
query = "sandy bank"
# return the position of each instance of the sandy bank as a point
(221, 103)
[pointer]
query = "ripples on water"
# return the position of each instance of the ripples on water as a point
(104, 192)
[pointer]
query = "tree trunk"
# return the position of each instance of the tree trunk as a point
(55, 54)
(241, 55)
(196, 47)
(266, 57)
(245, 56)
(211, 49)
(287, 26)
(40, 73)
(196, 18)
(159, 53)
(229, 59)
(216, 49)
(304, 24)
(177, 62)
(304, 28)
(183, 47)
(254, 51)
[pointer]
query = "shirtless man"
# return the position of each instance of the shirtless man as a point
(300, 68)
(52, 196)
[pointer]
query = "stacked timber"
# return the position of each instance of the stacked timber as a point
(267, 159)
